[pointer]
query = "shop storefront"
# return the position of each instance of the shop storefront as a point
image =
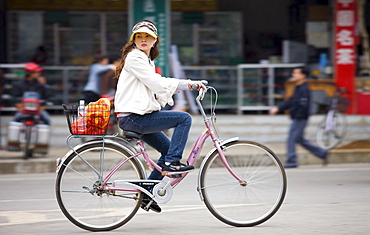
(207, 33)
(72, 34)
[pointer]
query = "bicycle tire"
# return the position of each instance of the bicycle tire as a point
(93, 209)
(27, 151)
(330, 138)
(243, 205)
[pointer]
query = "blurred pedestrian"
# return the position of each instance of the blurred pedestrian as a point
(91, 91)
(108, 81)
(299, 106)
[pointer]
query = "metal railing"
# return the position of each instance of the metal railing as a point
(66, 83)
(257, 85)
(241, 88)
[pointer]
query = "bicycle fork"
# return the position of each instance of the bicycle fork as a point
(331, 122)
(220, 148)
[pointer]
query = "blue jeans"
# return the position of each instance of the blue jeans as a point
(296, 136)
(151, 126)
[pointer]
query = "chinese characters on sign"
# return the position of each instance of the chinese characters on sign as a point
(345, 18)
(345, 24)
(345, 3)
(345, 54)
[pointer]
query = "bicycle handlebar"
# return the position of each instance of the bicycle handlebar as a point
(195, 87)
(201, 91)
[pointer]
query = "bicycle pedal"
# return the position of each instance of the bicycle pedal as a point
(145, 207)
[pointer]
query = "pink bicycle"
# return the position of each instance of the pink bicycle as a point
(100, 184)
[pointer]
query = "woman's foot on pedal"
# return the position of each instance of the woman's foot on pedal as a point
(154, 206)
(173, 168)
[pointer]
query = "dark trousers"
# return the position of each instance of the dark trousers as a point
(296, 136)
(151, 126)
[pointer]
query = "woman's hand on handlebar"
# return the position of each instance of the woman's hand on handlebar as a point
(197, 85)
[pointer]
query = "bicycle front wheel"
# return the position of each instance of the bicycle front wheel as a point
(247, 203)
(78, 190)
(331, 131)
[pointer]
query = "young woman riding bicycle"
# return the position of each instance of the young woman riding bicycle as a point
(140, 95)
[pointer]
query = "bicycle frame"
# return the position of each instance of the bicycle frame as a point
(330, 121)
(242, 183)
(330, 116)
(332, 128)
(208, 132)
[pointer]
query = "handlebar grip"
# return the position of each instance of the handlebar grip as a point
(195, 87)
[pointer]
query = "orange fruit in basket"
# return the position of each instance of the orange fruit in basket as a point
(97, 115)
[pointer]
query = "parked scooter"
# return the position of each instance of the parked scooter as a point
(29, 135)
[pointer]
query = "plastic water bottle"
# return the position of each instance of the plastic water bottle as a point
(81, 117)
(81, 109)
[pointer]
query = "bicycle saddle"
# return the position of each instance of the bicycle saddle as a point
(131, 135)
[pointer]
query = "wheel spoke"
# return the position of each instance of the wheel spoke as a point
(77, 172)
(222, 184)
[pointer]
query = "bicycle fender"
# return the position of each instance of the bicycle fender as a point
(60, 161)
(205, 160)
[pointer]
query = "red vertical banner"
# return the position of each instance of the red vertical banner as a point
(345, 47)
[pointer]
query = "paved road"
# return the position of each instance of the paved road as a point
(320, 200)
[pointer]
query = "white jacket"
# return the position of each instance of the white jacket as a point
(140, 90)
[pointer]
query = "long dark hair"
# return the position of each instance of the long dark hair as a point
(154, 53)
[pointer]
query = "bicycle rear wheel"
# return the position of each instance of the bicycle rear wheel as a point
(255, 200)
(78, 193)
(331, 132)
